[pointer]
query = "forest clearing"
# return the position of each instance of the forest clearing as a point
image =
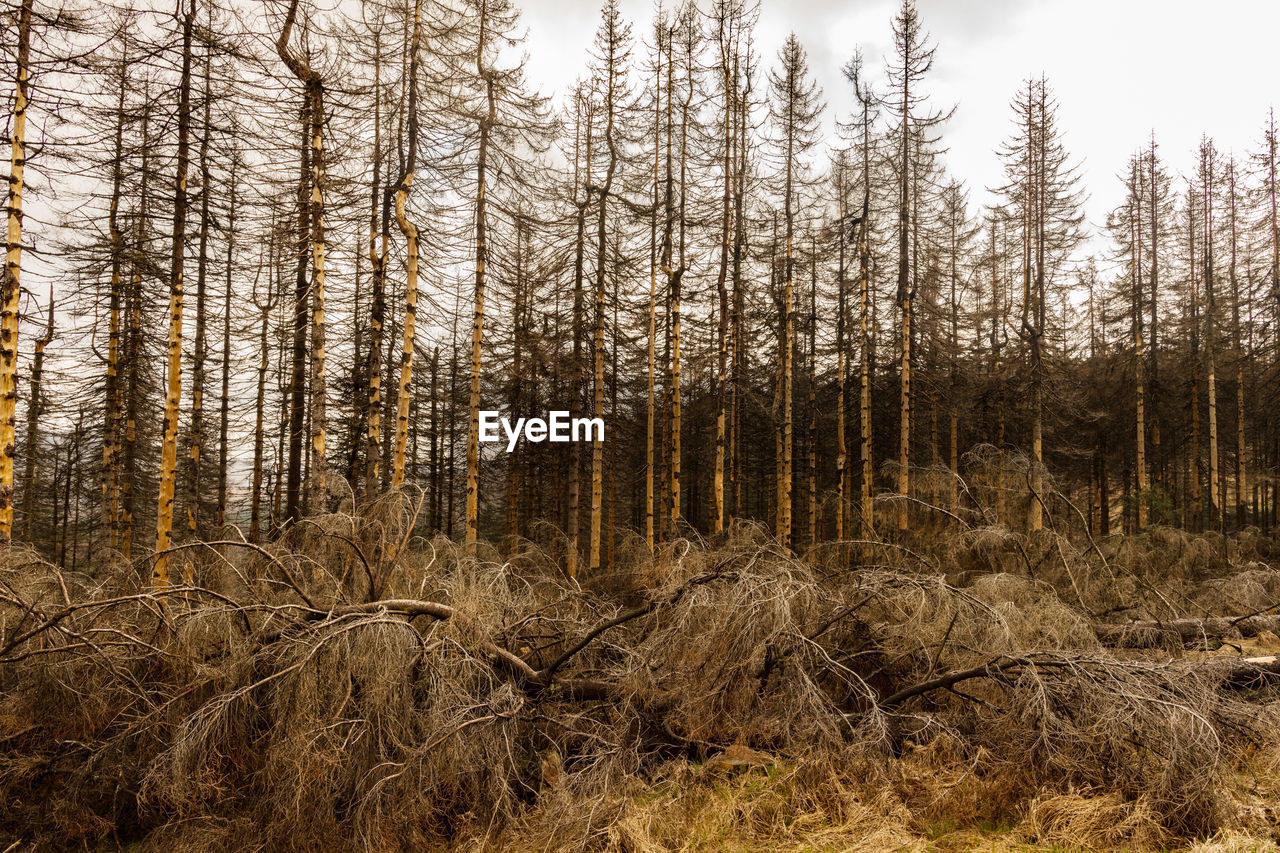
(397, 453)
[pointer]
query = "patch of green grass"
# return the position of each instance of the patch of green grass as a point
(939, 828)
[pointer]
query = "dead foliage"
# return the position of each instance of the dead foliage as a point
(354, 686)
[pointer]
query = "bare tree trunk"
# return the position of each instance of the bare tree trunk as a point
(1140, 437)
(297, 372)
(842, 468)
(1211, 318)
(173, 390)
(11, 294)
(224, 413)
(378, 300)
(477, 321)
(195, 496)
(722, 341)
(111, 441)
(132, 348)
(311, 224)
(904, 299)
(259, 425)
(650, 410)
(410, 232)
(35, 409)
(1242, 482)
(319, 465)
(811, 409)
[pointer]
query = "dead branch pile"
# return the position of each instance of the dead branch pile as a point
(352, 687)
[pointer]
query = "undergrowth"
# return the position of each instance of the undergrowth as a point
(352, 686)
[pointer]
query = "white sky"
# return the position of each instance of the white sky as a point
(1120, 69)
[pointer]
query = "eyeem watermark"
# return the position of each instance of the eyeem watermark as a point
(557, 426)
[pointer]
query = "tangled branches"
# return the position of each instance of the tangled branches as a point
(350, 686)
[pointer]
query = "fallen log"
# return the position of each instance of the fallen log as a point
(1241, 673)
(1225, 673)
(1155, 633)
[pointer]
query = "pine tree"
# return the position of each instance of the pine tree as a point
(795, 107)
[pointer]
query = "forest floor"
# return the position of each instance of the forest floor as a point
(353, 686)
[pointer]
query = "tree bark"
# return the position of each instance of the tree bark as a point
(173, 387)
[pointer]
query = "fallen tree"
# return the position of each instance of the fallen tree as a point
(339, 684)
(1153, 633)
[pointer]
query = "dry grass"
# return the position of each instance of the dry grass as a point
(354, 687)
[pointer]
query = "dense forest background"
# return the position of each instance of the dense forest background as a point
(271, 259)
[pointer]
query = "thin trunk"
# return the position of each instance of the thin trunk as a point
(12, 290)
(842, 468)
(310, 227)
(410, 232)
(1242, 482)
(173, 387)
(259, 430)
(811, 408)
(650, 409)
(905, 307)
(1140, 436)
(866, 506)
(378, 299)
(35, 410)
(477, 321)
(112, 437)
(722, 331)
(195, 493)
(224, 413)
(1211, 317)
(132, 352)
(297, 372)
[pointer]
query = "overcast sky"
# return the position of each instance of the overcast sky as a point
(1120, 69)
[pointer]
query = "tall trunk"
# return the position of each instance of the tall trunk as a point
(477, 320)
(904, 299)
(1242, 482)
(866, 506)
(842, 468)
(453, 435)
(35, 410)
(310, 227)
(1153, 336)
(1196, 474)
(739, 298)
(298, 362)
(378, 299)
(811, 409)
(953, 407)
(572, 531)
(998, 321)
(111, 440)
(318, 478)
(788, 348)
(410, 232)
(675, 280)
(598, 339)
(195, 493)
(132, 349)
(1211, 318)
(1140, 437)
(11, 291)
(434, 502)
(224, 412)
(722, 331)
(259, 425)
(650, 409)
(173, 388)
(1037, 333)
